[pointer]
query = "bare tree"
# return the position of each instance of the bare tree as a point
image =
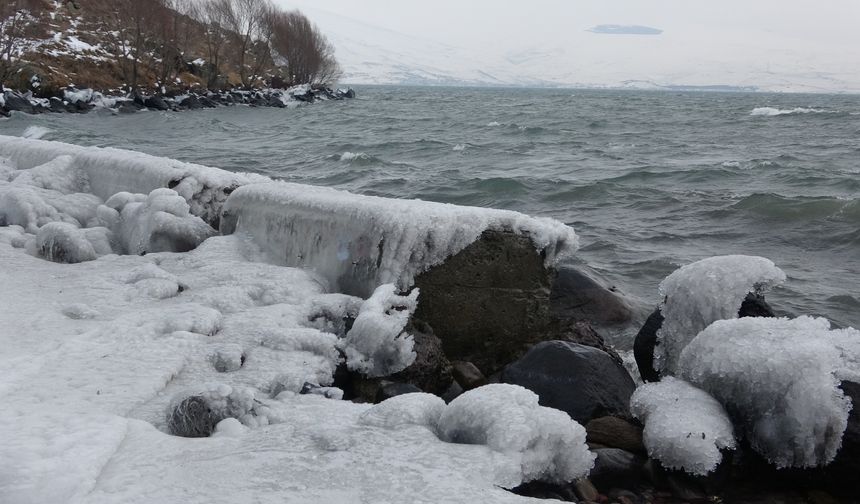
(243, 19)
(134, 35)
(16, 23)
(308, 54)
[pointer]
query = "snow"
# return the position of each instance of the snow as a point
(705, 291)
(404, 410)
(543, 443)
(92, 365)
(66, 243)
(779, 379)
(685, 428)
(357, 243)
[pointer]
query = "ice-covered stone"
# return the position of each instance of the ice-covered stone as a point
(779, 380)
(377, 345)
(700, 293)
(545, 443)
(359, 242)
(685, 428)
(63, 242)
(406, 409)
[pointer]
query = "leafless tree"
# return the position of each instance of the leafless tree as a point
(17, 19)
(243, 19)
(308, 55)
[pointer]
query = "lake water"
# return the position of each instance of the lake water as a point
(649, 180)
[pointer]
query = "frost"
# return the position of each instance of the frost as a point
(406, 409)
(700, 293)
(32, 207)
(376, 345)
(360, 242)
(779, 380)
(65, 243)
(685, 428)
(160, 222)
(544, 442)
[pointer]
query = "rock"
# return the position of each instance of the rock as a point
(452, 393)
(841, 474)
(275, 101)
(350, 93)
(127, 107)
(615, 432)
(431, 371)
(582, 381)
(327, 392)
(56, 105)
(208, 102)
(387, 390)
(468, 375)
(191, 103)
(623, 496)
(138, 99)
(155, 103)
(585, 490)
(754, 305)
(580, 331)
(616, 468)
(488, 303)
(82, 107)
(542, 490)
(16, 102)
(192, 418)
(579, 294)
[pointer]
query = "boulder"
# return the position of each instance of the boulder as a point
(127, 107)
(754, 305)
(614, 432)
(16, 102)
(582, 381)
(468, 375)
(579, 294)
(191, 103)
(431, 371)
(193, 418)
(208, 102)
(582, 332)
(387, 390)
(56, 105)
(616, 468)
(155, 103)
(488, 303)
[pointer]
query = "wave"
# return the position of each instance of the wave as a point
(772, 111)
(800, 207)
(459, 147)
(35, 132)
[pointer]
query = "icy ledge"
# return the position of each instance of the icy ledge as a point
(359, 242)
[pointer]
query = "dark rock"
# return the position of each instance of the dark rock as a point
(387, 390)
(156, 103)
(488, 303)
(275, 101)
(327, 392)
(431, 371)
(543, 490)
(615, 432)
(453, 392)
(349, 93)
(17, 103)
(138, 99)
(580, 331)
(582, 381)
(578, 294)
(616, 468)
(644, 344)
(127, 107)
(191, 103)
(305, 97)
(754, 305)
(57, 105)
(207, 102)
(82, 107)
(841, 474)
(585, 490)
(192, 418)
(468, 375)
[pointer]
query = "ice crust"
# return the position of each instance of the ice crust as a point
(685, 428)
(545, 443)
(376, 345)
(700, 293)
(779, 380)
(360, 242)
(404, 410)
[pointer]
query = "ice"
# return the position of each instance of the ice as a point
(700, 293)
(685, 428)
(35, 132)
(779, 380)
(66, 243)
(407, 409)
(110, 171)
(32, 207)
(545, 443)
(360, 242)
(376, 345)
(158, 222)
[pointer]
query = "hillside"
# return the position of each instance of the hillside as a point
(121, 45)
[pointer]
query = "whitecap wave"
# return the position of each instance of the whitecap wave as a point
(459, 147)
(35, 132)
(772, 111)
(494, 124)
(354, 156)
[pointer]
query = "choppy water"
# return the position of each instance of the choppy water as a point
(650, 180)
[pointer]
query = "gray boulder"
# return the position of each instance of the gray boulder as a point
(155, 103)
(582, 381)
(616, 468)
(580, 294)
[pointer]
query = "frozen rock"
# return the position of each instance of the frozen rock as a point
(685, 428)
(197, 415)
(700, 293)
(582, 381)
(545, 443)
(779, 380)
(64, 243)
(406, 409)
(159, 222)
(377, 345)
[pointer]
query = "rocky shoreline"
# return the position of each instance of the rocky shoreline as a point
(81, 101)
(477, 320)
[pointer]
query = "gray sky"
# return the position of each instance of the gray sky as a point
(791, 39)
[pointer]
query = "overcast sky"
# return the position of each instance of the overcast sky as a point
(814, 35)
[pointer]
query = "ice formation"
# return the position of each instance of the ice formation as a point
(407, 409)
(685, 428)
(66, 243)
(376, 345)
(545, 443)
(705, 291)
(360, 242)
(779, 380)
(159, 222)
